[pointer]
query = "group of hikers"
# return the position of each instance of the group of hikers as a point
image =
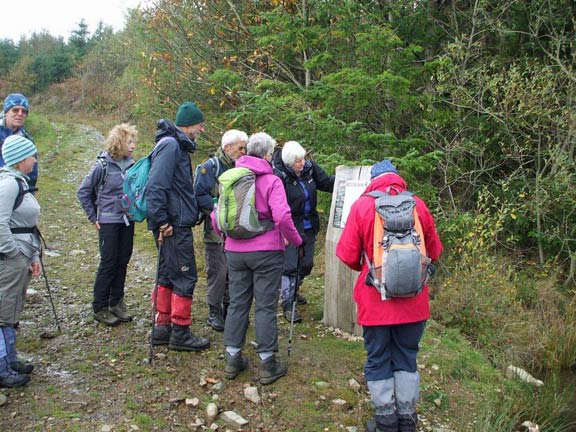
(240, 270)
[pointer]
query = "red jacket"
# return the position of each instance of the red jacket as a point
(357, 237)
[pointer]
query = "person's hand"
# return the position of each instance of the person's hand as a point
(35, 268)
(97, 225)
(301, 251)
(166, 230)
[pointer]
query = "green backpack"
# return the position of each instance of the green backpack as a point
(236, 213)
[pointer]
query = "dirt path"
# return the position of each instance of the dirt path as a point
(93, 378)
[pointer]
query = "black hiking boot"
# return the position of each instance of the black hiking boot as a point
(271, 370)
(215, 319)
(407, 422)
(301, 300)
(22, 367)
(288, 314)
(383, 423)
(182, 339)
(9, 378)
(161, 335)
(235, 364)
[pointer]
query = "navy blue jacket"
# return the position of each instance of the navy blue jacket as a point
(170, 189)
(313, 178)
(5, 132)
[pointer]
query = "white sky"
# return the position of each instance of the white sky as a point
(60, 17)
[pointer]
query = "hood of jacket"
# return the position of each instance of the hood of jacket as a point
(385, 181)
(167, 128)
(257, 165)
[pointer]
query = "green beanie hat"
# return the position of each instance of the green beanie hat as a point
(189, 114)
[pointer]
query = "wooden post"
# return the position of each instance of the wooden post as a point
(339, 280)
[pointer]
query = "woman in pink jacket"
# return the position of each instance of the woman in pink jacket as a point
(255, 268)
(393, 327)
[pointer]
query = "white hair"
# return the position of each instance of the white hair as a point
(232, 136)
(260, 144)
(291, 152)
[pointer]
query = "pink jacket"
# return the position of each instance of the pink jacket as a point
(271, 204)
(357, 237)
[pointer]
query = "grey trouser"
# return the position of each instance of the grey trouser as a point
(253, 275)
(14, 279)
(216, 274)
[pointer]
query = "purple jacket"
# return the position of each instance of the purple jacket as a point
(271, 203)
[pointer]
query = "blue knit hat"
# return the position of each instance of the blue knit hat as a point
(16, 99)
(189, 114)
(382, 167)
(16, 148)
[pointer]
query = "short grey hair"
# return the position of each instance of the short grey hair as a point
(232, 136)
(260, 144)
(291, 152)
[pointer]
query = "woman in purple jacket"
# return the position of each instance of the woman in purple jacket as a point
(100, 195)
(255, 268)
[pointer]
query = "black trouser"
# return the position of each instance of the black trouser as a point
(116, 241)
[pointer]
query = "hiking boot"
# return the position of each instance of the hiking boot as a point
(215, 319)
(161, 335)
(9, 378)
(120, 312)
(106, 317)
(383, 423)
(235, 364)
(271, 370)
(288, 315)
(407, 422)
(21, 367)
(182, 339)
(301, 300)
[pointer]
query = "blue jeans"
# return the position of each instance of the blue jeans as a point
(391, 348)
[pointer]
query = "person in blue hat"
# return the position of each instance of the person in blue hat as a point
(14, 114)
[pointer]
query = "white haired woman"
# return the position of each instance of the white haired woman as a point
(255, 268)
(19, 251)
(302, 179)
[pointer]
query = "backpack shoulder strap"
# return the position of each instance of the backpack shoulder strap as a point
(216, 166)
(21, 192)
(101, 159)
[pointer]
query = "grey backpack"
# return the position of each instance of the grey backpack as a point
(400, 267)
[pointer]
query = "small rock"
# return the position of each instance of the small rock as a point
(219, 386)
(76, 252)
(351, 429)
(106, 428)
(211, 411)
(234, 418)
(353, 384)
(51, 253)
(192, 402)
(321, 384)
(516, 372)
(341, 403)
(134, 427)
(438, 402)
(528, 426)
(251, 393)
(3, 399)
(213, 426)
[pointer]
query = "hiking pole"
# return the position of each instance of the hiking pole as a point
(297, 283)
(49, 294)
(155, 296)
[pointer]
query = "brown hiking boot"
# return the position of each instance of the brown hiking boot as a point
(120, 312)
(106, 317)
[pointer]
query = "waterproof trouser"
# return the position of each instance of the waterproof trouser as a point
(116, 241)
(14, 279)
(253, 275)
(216, 275)
(177, 269)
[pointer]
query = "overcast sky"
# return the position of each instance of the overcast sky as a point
(60, 17)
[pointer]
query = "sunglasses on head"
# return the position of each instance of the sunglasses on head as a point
(17, 110)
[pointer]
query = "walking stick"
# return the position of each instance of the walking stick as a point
(155, 296)
(297, 283)
(49, 293)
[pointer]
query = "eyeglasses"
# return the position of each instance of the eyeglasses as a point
(16, 110)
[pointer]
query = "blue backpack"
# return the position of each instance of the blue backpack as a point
(134, 188)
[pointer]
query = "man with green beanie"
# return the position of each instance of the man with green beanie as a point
(172, 212)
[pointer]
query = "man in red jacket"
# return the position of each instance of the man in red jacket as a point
(393, 327)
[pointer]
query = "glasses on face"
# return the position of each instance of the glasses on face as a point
(16, 110)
